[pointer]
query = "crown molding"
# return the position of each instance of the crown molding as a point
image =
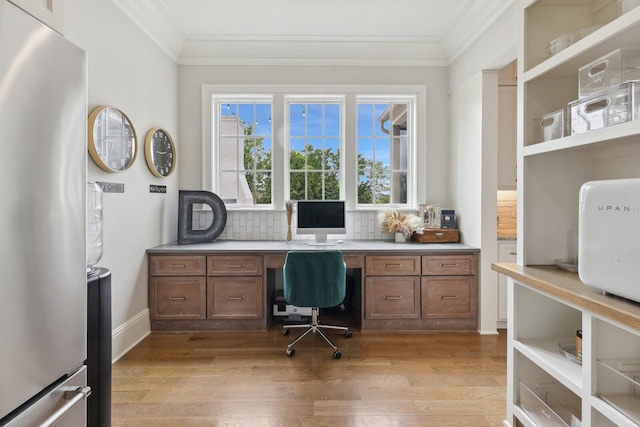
(153, 18)
(155, 21)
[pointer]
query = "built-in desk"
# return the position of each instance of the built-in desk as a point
(227, 285)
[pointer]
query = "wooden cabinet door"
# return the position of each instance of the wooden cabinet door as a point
(235, 298)
(177, 297)
(392, 297)
(449, 297)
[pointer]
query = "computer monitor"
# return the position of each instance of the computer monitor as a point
(321, 217)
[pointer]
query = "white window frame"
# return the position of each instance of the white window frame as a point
(412, 154)
(416, 182)
(217, 101)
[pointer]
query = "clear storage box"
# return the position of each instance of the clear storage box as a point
(550, 126)
(619, 385)
(614, 106)
(550, 404)
(609, 71)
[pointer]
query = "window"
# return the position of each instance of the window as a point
(314, 151)
(278, 143)
(245, 151)
(383, 147)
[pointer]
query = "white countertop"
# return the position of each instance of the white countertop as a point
(279, 246)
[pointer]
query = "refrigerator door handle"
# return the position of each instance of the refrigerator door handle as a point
(75, 396)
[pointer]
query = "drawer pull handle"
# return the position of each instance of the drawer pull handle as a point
(235, 265)
(393, 265)
(177, 265)
(448, 296)
(439, 234)
(235, 298)
(448, 265)
(513, 253)
(393, 297)
(178, 298)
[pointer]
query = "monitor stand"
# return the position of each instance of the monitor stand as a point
(321, 240)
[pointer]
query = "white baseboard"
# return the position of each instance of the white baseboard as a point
(128, 335)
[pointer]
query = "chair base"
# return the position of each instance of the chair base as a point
(315, 327)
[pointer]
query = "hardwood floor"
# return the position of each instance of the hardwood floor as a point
(246, 379)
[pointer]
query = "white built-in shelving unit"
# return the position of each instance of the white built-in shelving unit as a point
(547, 306)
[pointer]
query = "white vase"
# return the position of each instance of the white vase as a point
(401, 238)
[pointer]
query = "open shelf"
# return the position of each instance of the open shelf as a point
(545, 354)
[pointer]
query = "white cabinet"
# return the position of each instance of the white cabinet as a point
(507, 119)
(50, 12)
(507, 252)
(546, 306)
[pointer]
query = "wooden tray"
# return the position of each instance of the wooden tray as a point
(437, 235)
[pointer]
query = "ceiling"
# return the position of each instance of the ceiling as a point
(313, 32)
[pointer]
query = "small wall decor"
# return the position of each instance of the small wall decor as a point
(160, 152)
(186, 233)
(113, 144)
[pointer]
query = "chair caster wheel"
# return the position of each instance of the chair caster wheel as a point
(337, 354)
(348, 334)
(290, 352)
(285, 332)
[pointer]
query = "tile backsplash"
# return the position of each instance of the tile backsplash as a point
(507, 214)
(272, 225)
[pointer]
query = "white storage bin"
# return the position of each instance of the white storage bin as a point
(618, 385)
(549, 404)
(550, 126)
(614, 106)
(609, 71)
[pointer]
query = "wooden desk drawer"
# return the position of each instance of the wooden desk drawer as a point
(177, 265)
(178, 297)
(234, 265)
(449, 265)
(448, 297)
(234, 298)
(392, 297)
(392, 265)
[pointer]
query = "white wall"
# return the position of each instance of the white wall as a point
(473, 146)
(128, 71)
(434, 78)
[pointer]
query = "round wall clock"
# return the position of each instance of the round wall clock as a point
(113, 143)
(160, 152)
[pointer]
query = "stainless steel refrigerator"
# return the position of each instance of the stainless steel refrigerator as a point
(43, 283)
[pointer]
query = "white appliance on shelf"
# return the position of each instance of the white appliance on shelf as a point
(609, 236)
(43, 307)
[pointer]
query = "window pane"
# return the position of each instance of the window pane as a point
(297, 119)
(332, 186)
(332, 120)
(332, 154)
(383, 151)
(297, 183)
(312, 154)
(245, 151)
(314, 186)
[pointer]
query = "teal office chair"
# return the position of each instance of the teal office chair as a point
(315, 279)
